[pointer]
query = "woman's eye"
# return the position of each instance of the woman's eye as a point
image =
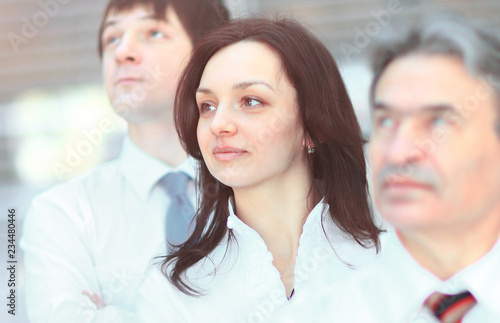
(157, 34)
(206, 107)
(251, 102)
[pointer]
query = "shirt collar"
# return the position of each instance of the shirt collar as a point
(481, 280)
(406, 274)
(142, 171)
(312, 223)
(403, 274)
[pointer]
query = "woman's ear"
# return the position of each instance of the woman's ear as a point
(308, 144)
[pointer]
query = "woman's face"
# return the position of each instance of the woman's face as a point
(249, 130)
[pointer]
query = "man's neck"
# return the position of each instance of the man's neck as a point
(158, 140)
(446, 252)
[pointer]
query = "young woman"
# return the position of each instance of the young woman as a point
(284, 210)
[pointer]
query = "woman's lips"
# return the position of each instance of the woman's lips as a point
(228, 153)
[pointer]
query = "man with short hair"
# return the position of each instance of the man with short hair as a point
(435, 160)
(88, 242)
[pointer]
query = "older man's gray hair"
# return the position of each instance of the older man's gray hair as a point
(447, 33)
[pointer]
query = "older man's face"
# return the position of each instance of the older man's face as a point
(435, 154)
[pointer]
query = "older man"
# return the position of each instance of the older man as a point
(435, 155)
(435, 158)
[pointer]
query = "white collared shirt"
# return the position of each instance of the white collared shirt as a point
(247, 287)
(394, 287)
(96, 233)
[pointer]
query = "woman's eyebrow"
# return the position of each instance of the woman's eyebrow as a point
(244, 85)
(237, 86)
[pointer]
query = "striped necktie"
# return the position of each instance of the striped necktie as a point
(180, 212)
(450, 308)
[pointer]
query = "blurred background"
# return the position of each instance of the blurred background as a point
(52, 101)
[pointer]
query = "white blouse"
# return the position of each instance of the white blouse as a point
(246, 286)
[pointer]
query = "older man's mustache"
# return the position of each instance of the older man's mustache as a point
(407, 172)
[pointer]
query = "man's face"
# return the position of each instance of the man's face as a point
(435, 155)
(142, 61)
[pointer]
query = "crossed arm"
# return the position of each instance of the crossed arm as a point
(60, 278)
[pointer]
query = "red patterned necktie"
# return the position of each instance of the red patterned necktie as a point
(450, 308)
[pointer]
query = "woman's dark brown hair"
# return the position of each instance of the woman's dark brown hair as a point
(198, 17)
(327, 117)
